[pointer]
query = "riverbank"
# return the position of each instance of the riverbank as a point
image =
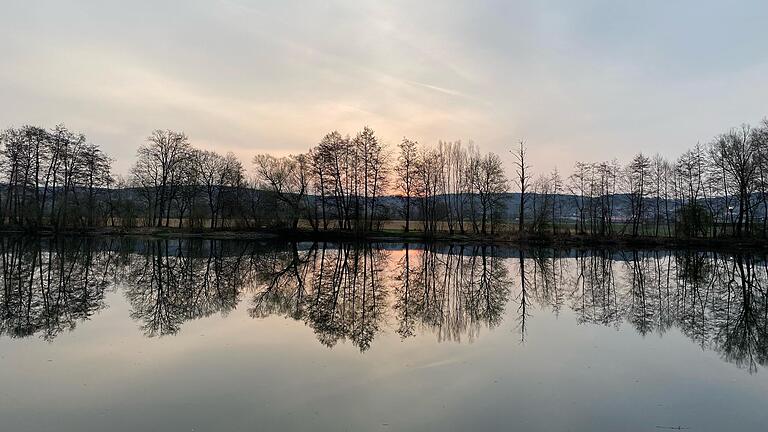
(508, 239)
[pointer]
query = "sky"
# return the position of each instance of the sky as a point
(577, 80)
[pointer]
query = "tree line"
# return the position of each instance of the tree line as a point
(713, 189)
(58, 179)
(51, 177)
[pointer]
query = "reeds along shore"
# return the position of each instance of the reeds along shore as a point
(55, 180)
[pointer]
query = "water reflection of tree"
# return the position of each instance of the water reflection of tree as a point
(175, 281)
(352, 291)
(640, 298)
(50, 286)
(524, 296)
(454, 290)
(693, 300)
(548, 276)
(742, 333)
(719, 301)
(594, 295)
(339, 292)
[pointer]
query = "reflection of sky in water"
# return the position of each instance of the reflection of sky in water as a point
(235, 372)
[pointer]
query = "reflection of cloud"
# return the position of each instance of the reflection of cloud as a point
(439, 363)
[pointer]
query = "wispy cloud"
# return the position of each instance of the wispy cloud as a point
(438, 89)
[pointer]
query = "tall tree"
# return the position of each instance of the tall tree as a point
(158, 170)
(490, 184)
(636, 177)
(736, 153)
(406, 175)
(523, 180)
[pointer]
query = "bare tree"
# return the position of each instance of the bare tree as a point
(406, 174)
(736, 153)
(38, 164)
(287, 178)
(523, 180)
(490, 184)
(220, 176)
(427, 179)
(95, 174)
(636, 179)
(158, 171)
(556, 183)
(210, 168)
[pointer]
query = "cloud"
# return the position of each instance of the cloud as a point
(593, 80)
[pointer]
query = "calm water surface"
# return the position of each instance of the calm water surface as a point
(231, 336)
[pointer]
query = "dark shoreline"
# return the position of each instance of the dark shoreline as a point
(505, 239)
